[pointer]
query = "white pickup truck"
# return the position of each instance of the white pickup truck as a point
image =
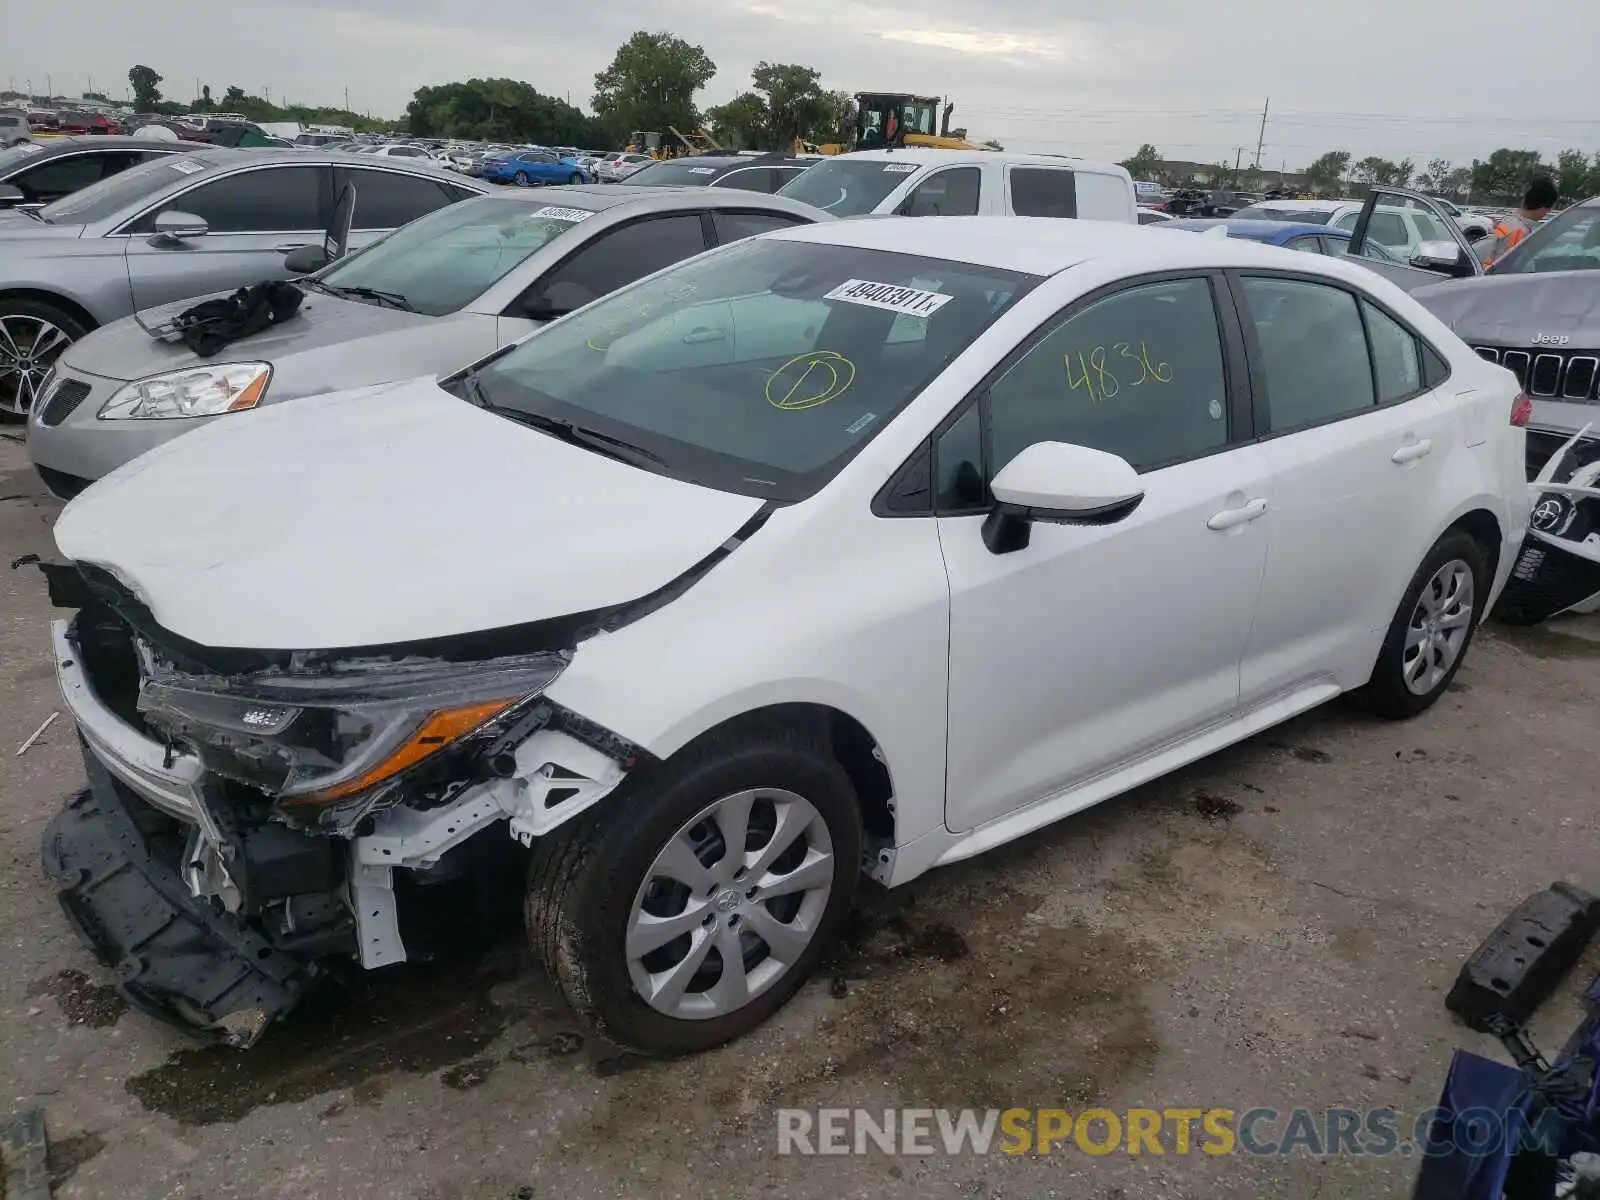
(924, 182)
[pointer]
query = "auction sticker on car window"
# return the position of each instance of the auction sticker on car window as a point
(899, 168)
(702, 170)
(556, 213)
(186, 166)
(913, 301)
(29, 148)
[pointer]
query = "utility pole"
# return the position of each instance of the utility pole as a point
(347, 97)
(1261, 140)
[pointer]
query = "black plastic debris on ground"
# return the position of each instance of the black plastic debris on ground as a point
(1521, 962)
(24, 1157)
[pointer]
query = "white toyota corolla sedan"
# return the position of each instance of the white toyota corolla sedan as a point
(860, 547)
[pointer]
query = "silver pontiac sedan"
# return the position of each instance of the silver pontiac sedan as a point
(179, 227)
(433, 296)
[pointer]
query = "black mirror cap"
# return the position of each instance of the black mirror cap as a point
(1007, 527)
(303, 260)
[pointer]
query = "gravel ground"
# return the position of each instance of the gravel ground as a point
(1275, 926)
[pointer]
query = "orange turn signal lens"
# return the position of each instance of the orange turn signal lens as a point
(250, 393)
(434, 734)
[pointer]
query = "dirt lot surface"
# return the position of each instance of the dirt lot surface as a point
(1275, 926)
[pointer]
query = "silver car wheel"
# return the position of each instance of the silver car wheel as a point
(29, 347)
(1438, 627)
(730, 903)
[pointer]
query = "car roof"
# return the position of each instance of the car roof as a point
(934, 156)
(49, 148)
(1037, 245)
(217, 156)
(599, 198)
(1305, 205)
(1261, 231)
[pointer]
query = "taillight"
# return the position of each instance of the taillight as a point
(1521, 410)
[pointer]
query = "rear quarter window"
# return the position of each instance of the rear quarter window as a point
(1042, 192)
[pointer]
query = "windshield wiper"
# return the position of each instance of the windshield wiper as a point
(377, 295)
(571, 433)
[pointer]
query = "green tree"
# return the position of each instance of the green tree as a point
(1575, 176)
(204, 102)
(650, 85)
(742, 123)
(1380, 171)
(1505, 174)
(1144, 162)
(502, 110)
(1326, 173)
(100, 96)
(797, 107)
(1432, 180)
(146, 88)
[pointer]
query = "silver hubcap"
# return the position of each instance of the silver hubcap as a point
(730, 903)
(29, 347)
(1438, 627)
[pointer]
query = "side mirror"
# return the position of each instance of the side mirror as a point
(175, 226)
(303, 260)
(1060, 483)
(10, 195)
(1436, 256)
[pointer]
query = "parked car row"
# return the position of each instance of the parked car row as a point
(685, 553)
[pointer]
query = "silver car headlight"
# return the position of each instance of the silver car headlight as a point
(207, 391)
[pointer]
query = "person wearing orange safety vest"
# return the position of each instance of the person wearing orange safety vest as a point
(1537, 202)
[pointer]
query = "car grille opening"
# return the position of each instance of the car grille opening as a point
(1566, 376)
(64, 397)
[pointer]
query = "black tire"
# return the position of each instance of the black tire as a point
(520, 179)
(60, 318)
(586, 874)
(1386, 692)
(575, 178)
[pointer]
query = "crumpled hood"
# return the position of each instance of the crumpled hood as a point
(123, 351)
(384, 515)
(1509, 310)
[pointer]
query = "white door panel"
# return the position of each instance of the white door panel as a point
(1096, 643)
(1351, 507)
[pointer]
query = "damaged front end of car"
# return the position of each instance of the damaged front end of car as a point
(252, 816)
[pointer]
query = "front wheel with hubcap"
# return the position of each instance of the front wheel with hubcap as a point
(1432, 628)
(32, 336)
(684, 911)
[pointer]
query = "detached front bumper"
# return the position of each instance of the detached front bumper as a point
(174, 957)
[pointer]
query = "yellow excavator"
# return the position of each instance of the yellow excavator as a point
(895, 119)
(651, 143)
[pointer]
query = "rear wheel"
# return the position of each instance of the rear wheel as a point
(687, 910)
(32, 336)
(1431, 630)
(521, 179)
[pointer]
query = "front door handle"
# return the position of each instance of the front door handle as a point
(1230, 517)
(289, 247)
(1411, 451)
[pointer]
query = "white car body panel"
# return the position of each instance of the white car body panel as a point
(356, 505)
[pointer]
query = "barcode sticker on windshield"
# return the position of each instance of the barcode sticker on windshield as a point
(186, 166)
(899, 168)
(912, 301)
(702, 170)
(563, 214)
(28, 148)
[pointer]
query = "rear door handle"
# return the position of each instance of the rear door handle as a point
(1411, 451)
(1230, 517)
(287, 247)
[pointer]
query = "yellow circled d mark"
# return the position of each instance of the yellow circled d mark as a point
(826, 376)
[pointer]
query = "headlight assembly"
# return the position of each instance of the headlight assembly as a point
(319, 740)
(207, 391)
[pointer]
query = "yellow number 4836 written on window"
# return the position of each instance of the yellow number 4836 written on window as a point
(1091, 371)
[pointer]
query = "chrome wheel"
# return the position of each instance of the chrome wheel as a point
(1438, 628)
(730, 903)
(29, 347)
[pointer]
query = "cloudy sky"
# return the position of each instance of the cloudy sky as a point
(1419, 78)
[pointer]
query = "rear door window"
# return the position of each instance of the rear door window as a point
(390, 199)
(1313, 351)
(1042, 192)
(735, 226)
(619, 257)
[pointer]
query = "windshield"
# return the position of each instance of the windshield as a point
(1266, 212)
(20, 153)
(846, 188)
(110, 196)
(450, 257)
(1568, 242)
(760, 368)
(682, 172)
